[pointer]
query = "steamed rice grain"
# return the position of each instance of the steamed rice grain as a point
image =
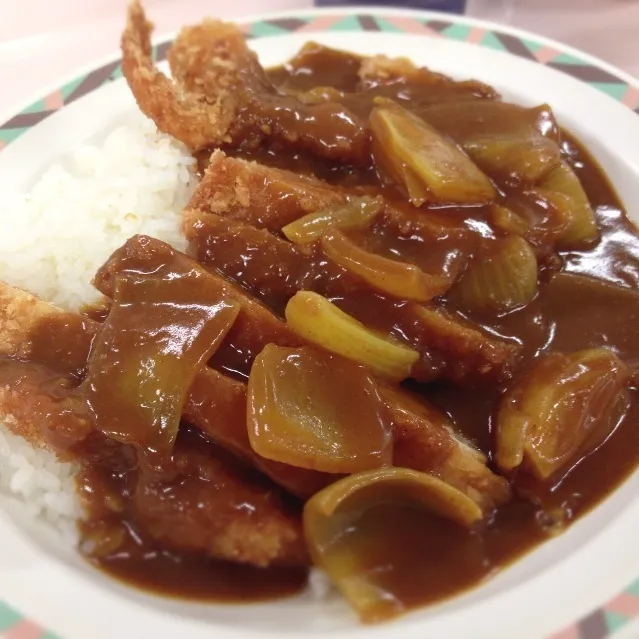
(53, 240)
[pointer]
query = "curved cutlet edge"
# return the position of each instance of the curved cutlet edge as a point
(192, 117)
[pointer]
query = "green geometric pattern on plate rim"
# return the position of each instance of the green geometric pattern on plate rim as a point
(625, 607)
(529, 49)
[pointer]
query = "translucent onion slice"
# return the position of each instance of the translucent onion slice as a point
(399, 279)
(357, 213)
(359, 531)
(525, 156)
(161, 329)
(508, 142)
(427, 164)
(563, 407)
(319, 321)
(508, 221)
(501, 277)
(562, 188)
(311, 409)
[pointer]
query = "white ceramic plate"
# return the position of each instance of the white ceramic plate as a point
(556, 584)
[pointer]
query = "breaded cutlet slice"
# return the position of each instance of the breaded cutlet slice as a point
(270, 198)
(263, 196)
(40, 405)
(221, 95)
(29, 326)
(426, 437)
(275, 269)
(216, 403)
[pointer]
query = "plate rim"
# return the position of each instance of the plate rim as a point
(26, 107)
(349, 12)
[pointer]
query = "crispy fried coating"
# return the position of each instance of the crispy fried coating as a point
(469, 355)
(469, 347)
(197, 119)
(29, 330)
(19, 312)
(425, 439)
(212, 58)
(221, 95)
(265, 197)
(202, 501)
(38, 405)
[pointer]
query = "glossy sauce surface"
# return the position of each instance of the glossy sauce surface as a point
(572, 311)
(119, 542)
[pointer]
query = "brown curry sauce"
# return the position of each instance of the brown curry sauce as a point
(566, 315)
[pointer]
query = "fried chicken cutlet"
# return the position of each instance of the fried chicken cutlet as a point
(221, 95)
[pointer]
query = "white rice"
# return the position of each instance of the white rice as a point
(52, 241)
(44, 484)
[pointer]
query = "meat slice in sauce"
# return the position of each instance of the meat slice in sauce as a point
(458, 463)
(216, 404)
(266, 197)
(270, 198)
(44, 406)
(35, 331)
(274, 270)
(440, 450)
(198, 502)
(254, 326)
(37, 404)
(29, 331)
(222, 95)
(202, 502)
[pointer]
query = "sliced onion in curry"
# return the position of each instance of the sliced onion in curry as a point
(393, 277)
(525, 157)
(563, 190)
(312, 409)
(508, 221)
(563, 408)
(161, 329)
(320, 322)
(357, 213)
(508, 142)
(428, 165)
(501, 277)
(354, 529)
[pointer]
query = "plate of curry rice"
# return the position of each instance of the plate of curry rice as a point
(320, 324)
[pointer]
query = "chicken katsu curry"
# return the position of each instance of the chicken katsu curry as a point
(395, 341)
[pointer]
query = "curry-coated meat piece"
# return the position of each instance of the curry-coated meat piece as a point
(203, 501)
(222, 95)
(274, 270)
